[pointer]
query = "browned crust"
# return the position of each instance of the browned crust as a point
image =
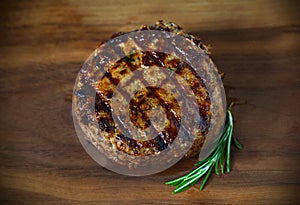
(110, 80)
(104, 90)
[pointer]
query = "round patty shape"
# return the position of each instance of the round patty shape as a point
(145, 99)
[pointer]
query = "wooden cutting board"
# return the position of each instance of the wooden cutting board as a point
(44, 43)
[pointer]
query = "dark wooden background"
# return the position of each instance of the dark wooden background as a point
(44, 43)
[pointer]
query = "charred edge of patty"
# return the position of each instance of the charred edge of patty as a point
(171, 27)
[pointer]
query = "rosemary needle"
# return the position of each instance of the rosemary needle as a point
(215, 159)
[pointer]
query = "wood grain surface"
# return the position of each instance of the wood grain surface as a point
(44, 43)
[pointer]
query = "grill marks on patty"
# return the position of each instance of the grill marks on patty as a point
(127, 65)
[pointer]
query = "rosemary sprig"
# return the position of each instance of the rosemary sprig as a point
(215, 159)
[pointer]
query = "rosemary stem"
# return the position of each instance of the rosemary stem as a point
(214, 159)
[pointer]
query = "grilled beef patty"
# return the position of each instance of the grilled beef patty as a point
(109, 135)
